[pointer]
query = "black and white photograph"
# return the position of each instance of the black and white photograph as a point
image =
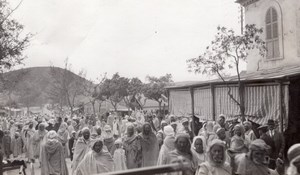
(150, 87)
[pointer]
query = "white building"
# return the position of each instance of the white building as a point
(271, 85)
(280, 20)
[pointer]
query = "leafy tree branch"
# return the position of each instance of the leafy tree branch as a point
(227, 51)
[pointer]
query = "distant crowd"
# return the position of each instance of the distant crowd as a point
(113, 142)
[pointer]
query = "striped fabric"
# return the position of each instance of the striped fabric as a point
(203, 104)
(224, 104)
(263, 103)
(180, 102)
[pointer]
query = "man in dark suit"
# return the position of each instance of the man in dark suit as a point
(263, 130)
(58, 123)
(278, 139)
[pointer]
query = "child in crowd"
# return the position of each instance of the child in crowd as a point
(16, 145)
(71, 144)
(7, 144)
(119, 156)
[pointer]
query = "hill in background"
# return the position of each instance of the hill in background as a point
(39, 79)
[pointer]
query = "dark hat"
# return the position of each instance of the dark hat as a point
(271, 122)
(173, 123)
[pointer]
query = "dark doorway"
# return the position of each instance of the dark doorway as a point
(293, 130)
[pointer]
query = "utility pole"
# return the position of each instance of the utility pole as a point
(242, 20)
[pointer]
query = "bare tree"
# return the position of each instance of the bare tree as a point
(94, 93)
(66, 87)
(227, 51)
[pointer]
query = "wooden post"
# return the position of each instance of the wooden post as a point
(281, 105)
(1, 163)
(212, 88)
(193, 110)
(168, 94)
(242, 20)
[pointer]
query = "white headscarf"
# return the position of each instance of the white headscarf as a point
(169, 131)
(212, 144)
(292, 169)
(200, 157)
(203, 142)
(51, 135)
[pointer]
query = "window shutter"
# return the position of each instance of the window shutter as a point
(269, 31)
(268, 17)
(274, 15)
(275, 30)
(272, 41)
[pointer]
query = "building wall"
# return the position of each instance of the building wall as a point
(289, 32)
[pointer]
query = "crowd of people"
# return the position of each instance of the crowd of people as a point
(114, 143)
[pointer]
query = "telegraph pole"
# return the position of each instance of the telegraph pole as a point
(242, 20)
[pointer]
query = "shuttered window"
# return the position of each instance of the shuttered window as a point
(272, 39)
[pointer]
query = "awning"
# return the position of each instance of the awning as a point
(224, 104)
(262, 102)
(180, 102)
(203, 104)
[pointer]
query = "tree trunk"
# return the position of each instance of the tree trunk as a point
(100, 104)
(27, 111)
(164, 109)
(93, 106)
(71, 107)
(127, 102)
(114, 105)
(70, 103)
(61, 105)
(140, 104)
(159, 105)
(242, 104)
(10, 103)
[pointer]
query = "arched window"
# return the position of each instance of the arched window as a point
(272, 39)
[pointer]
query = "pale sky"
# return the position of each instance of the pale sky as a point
(133, 37)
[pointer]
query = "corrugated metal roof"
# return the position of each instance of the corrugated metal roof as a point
(261, 75)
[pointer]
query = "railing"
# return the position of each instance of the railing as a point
(14, 165)
(177, 167)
